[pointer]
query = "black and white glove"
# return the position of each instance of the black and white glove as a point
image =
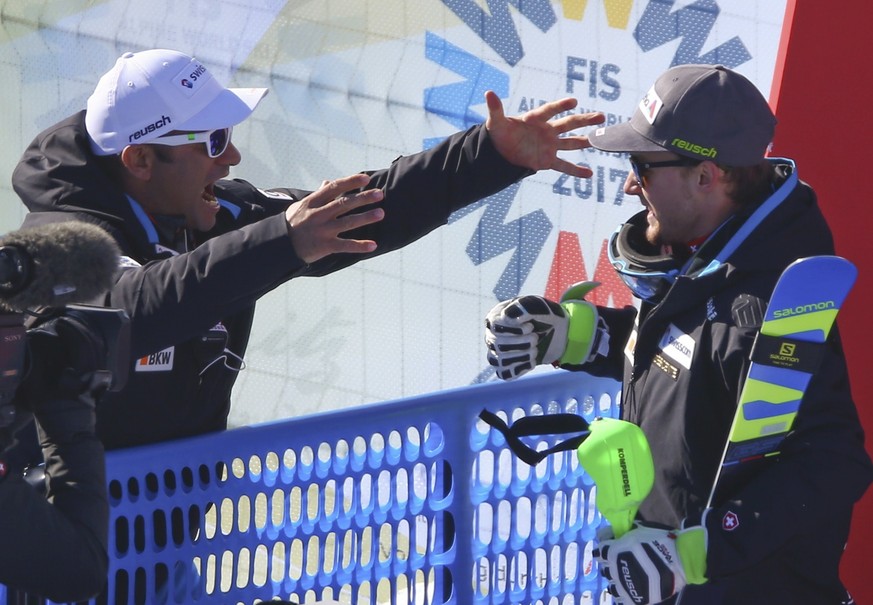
(649, 564)
(524, 332)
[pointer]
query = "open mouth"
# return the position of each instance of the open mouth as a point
(209, 196)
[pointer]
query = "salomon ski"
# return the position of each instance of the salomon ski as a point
(786, 353)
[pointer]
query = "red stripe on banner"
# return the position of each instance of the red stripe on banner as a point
(781, 54)
(568, 267)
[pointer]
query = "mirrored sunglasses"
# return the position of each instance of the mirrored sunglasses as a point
(216, 141)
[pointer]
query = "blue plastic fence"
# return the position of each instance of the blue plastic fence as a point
(413, 501)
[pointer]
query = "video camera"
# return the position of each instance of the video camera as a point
(48, 344)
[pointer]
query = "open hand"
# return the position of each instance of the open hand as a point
(316, 222)
(533, 139)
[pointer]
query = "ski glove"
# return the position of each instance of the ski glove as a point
(527, 331)
(650, 565)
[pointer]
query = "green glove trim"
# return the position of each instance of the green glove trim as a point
(578, 291)
(691, 544)
(581, 324)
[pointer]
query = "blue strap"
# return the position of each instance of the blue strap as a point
(757, 217)
(144, 220)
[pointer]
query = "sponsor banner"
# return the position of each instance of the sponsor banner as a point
(352, 86)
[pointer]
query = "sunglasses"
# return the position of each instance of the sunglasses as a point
(216, 141)
(641, 168)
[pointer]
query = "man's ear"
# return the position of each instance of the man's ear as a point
(708, 174)
(138, 160)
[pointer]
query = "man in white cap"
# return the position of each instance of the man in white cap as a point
(720, 223)
(147, 161)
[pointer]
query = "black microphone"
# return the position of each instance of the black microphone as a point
(55, 265)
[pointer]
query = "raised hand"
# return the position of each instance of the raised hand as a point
(316, 222)
(533, 139)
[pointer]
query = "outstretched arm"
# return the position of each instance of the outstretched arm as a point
(533, 139)
(317, 223)
(345, 220)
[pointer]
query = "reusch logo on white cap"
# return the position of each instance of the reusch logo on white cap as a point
(153, 92)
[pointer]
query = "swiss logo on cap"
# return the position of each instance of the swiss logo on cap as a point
(192, 76)
(650, 105)
(730, 521)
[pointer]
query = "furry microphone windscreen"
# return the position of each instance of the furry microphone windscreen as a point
(55, 265)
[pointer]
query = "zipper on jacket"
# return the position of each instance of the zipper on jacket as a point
(629, 412)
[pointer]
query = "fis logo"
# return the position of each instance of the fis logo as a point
(162, 361)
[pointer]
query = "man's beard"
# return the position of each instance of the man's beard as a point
(653, 234)
(655, 237)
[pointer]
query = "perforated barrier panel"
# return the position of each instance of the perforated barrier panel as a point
(413, 501)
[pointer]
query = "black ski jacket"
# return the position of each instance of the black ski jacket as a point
(794, 513)
(188, 309)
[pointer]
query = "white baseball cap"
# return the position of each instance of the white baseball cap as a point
(151, 93)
